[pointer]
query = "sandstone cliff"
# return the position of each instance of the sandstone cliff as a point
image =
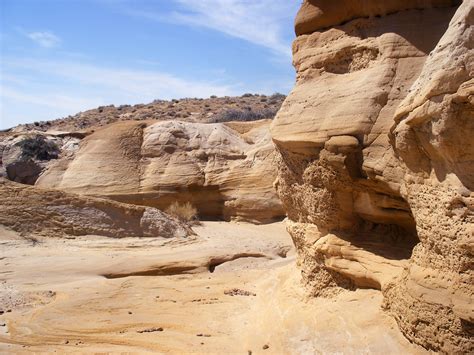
(376, 159)
(225, 170)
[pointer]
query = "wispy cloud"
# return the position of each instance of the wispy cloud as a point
(135, 83)
(66, 87)
(53, 99)
(259, 22)
(45, 39)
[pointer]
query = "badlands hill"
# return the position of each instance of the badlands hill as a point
(225, 170)
(216, 154)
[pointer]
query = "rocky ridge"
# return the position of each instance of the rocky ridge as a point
(213, 109)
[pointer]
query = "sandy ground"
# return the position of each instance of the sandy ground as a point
(234, 288)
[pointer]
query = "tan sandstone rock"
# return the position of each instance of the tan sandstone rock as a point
(39, 212)
(225, 170)
(319, 14)
(376, 159)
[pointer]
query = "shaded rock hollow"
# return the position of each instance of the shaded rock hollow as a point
(376, 153)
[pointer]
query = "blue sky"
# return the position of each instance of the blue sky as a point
(59, 57)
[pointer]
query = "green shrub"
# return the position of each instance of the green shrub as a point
(38, 147)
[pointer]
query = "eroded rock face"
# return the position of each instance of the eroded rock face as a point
(40, 212)
(316, 15)
(23, 157)
(225, 170)
(376, 155)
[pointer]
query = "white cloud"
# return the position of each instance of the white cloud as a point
(134, 83)
(260, 22)
(62, 87)
(52, 99)
(45, 39)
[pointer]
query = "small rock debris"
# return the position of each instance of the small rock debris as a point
(151, 330)
(238, 292)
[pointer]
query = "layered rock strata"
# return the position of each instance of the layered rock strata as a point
(39, 212)
(225, 170)
(376, 159)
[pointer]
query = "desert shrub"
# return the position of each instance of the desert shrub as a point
(213, 96)
(277, 96)
(247, 94)
(38, 147)
(244, 115)
(185, 212)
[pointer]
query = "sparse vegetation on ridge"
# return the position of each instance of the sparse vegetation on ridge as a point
(247, 107)
(244, 115)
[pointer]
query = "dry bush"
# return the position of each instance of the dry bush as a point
(185, 212)
(277, 96)
(248, 114)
